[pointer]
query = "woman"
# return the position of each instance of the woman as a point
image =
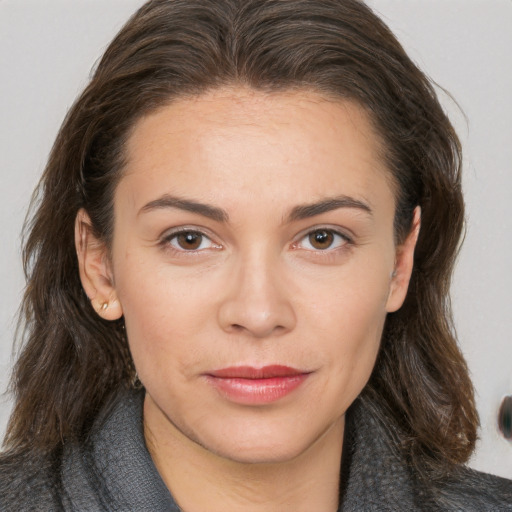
(238, 277)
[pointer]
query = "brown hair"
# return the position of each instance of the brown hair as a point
(73, 362)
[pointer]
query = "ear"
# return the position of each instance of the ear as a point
(95, 269)
(404, 260)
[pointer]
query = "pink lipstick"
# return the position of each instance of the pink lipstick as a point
(253, 386)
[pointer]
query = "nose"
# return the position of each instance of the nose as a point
(257, 301)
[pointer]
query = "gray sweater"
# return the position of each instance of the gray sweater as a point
(113, 471)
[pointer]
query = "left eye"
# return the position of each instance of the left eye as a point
(322, 240)
(190, 241)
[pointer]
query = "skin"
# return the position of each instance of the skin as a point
(256, 291)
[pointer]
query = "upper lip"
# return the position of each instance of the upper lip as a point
(250, 372)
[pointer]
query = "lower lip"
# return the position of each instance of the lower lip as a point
(256, 391)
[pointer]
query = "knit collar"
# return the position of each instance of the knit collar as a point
(114, 469)
(374, 475)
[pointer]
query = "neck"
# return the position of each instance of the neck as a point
(201, 480)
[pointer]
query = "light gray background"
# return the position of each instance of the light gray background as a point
(47, 48)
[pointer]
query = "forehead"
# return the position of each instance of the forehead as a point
(231, 143)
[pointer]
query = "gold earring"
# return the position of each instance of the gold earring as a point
(104, 306)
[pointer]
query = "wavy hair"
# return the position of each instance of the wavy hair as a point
(72, 362)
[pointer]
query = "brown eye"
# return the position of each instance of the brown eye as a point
(321, 239)
(189, 240)
(183, 241)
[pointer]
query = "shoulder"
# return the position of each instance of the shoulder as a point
(107, 469)
(374, 453)
(28, 483)
(472, 491)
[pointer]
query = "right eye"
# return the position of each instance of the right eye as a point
(189, 240)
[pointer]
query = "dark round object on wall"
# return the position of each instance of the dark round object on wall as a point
(505, 418)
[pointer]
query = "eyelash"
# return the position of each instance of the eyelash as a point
(168, 238)
(342, 237)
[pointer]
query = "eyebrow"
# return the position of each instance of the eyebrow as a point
(217, 214)
(310, 210)
(167, 201)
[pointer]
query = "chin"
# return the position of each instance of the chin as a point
(251, 453)
(259, 442)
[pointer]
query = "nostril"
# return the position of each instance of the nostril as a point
(505, 418)
(257, 331)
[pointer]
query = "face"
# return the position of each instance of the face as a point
(254, 262)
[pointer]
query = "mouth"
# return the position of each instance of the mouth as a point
(256, 386)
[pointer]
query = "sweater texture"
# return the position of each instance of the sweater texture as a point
(113, 471)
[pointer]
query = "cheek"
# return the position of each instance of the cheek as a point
(163, 315)
(351, 299)
(355, 338)
(354, 345)
(348, 314)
